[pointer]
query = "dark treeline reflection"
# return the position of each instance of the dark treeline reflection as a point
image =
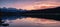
(49, 13)
(4, 18)
(17, 21)
(13, 14)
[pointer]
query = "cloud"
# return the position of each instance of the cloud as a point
(46, 4)
(29, 4)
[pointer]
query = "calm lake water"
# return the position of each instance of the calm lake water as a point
(30, 22)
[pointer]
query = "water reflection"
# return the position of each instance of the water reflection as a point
(32, 22)
(14, 21)
(2, 23)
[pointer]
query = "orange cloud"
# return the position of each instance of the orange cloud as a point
(48, 4)
(35, 5)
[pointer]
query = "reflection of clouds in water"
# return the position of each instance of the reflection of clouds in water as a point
(34, 22)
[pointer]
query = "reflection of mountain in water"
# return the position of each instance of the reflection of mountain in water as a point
(32, 22)
(4, 18)
(50, 13)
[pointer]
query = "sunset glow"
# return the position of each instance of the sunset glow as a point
(29, 4)
(29, 13)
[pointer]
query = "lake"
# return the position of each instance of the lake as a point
(20, 21)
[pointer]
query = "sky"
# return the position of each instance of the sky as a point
(29, 4)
